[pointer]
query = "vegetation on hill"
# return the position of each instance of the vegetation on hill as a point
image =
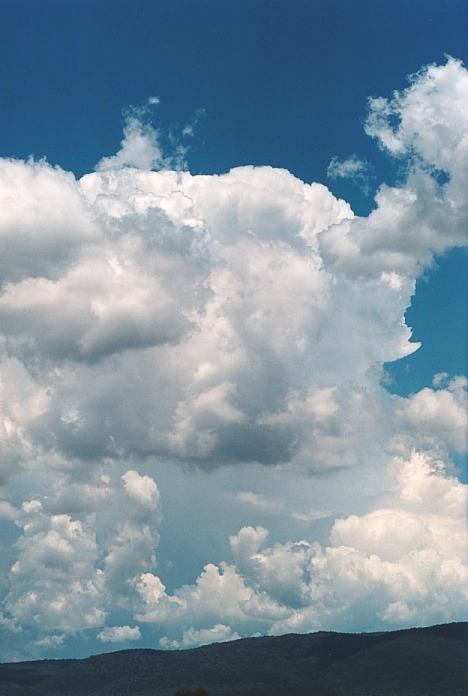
(416, 662)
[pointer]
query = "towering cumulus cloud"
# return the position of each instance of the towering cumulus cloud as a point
(238, 319)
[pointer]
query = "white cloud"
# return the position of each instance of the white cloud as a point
(438, 415)
(7, 511)
(430, 116)
(44, 221)
(119, 634)
(192, 637)
(234, 319)
(71, 571)
(141, 488)
(342, 169)
(53, 641)
(140, 147)
(400, 564)
(54, 582)
(431, 133)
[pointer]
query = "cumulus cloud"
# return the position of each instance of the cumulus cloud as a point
(119, 634)
(54, 581)
(177, 291)
(403, 563)
(44, 221)
(150, 314)
(7, 511)
(71, 570)
(431, 134)
(142, 488)
(439, 414)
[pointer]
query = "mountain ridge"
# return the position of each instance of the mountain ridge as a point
(429, 661)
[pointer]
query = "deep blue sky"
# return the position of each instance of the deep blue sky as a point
(282, 88)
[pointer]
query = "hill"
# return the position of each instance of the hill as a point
(415, 662)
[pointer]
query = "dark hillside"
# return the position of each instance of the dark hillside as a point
(417, 662)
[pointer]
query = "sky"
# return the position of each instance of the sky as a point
(232, 320)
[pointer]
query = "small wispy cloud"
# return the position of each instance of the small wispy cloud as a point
(52, 641)
(352, 168)
(189, 129)
(311, 515)
(149, 148)
(260, 502)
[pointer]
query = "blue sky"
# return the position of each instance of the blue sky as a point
(264, 86)
(189, 361)
(281, 88)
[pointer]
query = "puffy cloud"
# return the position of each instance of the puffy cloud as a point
(168, 307)
(54, 582)
(182, 301)
(142, 488)
(430, 116)
(239, 314)
(7, 511)
(216, 593)
(22, 400)
(119, 634)
(44, 220)
(242, 318)
(94, 310)
(70, 571)
(400, 564)
(431, 133)
(438, 415)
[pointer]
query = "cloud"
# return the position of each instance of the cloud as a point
(311, 515)
(7, 511)
(159, 318)
(177, 291)
(54, 581)
(259, 502)
(52, 641)
(44, 222)
(119, 634)
(439, 415)
(142, 488)
(342, 169)
(352, 168)
(72, 570)
(439, 93)
(192, 638)
(403, 563)
(431, 135)
(142, 146)
(139, 148)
